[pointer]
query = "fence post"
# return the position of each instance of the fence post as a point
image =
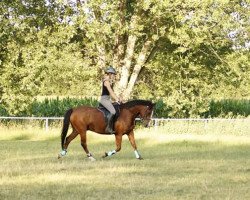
(156, 124)
(205, 125)
(46, 124)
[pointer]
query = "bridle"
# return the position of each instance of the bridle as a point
(144, 117)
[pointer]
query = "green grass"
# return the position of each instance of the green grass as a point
(176, 165)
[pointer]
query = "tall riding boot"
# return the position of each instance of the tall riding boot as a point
(110, 124)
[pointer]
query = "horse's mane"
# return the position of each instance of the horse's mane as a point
(132, 103)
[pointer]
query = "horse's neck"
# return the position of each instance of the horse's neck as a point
(135, 111)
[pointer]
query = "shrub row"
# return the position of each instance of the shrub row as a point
(229, 108)
(57, 107)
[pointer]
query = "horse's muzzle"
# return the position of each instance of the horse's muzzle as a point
(147, 125)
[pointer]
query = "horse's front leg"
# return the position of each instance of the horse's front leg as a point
(132, 142)
(118, 140)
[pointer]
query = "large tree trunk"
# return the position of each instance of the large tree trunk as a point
(125, 68)
(141, 60)
(127, 63)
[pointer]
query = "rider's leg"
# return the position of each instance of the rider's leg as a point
(110, 126)
(105, 101)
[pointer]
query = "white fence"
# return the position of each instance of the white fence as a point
(46, 119)
(154, 121)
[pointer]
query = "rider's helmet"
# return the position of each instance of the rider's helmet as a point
(111, 70)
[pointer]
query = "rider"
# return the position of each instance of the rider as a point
(107, 91)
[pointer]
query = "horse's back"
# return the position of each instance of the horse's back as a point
(85, 114)
(84, 108)
(87, 118)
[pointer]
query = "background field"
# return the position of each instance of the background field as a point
(181, 161)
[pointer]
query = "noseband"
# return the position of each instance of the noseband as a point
(142, 118)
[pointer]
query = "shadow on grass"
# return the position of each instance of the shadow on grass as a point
(87, 190)
(166, 161)
(181, 150)
(167, 169)
(22, 137)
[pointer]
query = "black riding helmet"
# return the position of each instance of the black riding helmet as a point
(111, 70)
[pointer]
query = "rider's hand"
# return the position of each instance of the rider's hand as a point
(117, 100)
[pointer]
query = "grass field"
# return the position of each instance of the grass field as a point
(194, 164)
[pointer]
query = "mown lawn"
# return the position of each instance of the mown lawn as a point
(175, 166)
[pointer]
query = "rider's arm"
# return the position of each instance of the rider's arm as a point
(111, 92)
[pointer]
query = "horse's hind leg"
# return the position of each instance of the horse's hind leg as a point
(71, 137)
(84, 144)
(66, 143)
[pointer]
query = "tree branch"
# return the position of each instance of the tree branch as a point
(119, 39)
(101, 62)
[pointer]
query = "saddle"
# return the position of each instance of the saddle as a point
(106, 112)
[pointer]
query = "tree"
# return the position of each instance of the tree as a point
(127, 34)
(179, 51)
(36, 51)
(18, 28)
(119, 33)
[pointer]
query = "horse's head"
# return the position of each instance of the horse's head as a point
(146, 113)
(141, 108)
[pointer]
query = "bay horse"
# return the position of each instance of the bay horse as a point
(85, 118)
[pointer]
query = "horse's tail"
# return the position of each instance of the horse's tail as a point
(65, 128)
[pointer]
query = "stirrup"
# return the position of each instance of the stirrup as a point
(108, 130)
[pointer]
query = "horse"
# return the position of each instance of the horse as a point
(84, 118)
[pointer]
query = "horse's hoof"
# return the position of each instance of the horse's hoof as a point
(140, 158)
(92, 158)
(105, 155)
(62, 154)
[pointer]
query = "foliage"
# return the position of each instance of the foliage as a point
(40, 57)
(229, 108)
(197, 60)
(182, 52)
(56, 107)
(3, 111)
